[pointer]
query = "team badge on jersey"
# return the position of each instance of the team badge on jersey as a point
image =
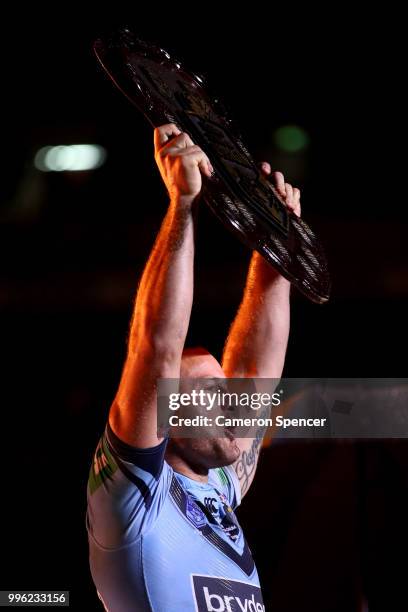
(194, 514)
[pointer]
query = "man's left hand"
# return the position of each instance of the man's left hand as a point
(290, 195)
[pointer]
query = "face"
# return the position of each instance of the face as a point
(203, 454)
(210, 452)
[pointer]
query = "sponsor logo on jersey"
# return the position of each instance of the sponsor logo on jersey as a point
(211, 504)
(216, 594)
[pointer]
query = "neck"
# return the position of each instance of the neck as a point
(181, 466)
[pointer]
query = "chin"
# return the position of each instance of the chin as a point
(207, 453)
(226, 452)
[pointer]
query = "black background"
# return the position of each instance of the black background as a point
(328, 517)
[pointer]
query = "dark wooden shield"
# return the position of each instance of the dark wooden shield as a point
(238, 193)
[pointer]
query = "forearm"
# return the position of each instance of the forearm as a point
(164, 298)
(257, 341)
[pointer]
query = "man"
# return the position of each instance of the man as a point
(163, 535)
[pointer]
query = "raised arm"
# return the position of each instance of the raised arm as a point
(164, 298)
(257, 341)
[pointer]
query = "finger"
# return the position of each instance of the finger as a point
(163, 133)
(188, 151)
(280, 183)
(203, 163)
(205, 167)
(296, 201)
(265, 167)
(178, 143)
(195, 156)
(174, 150)
(289, 196)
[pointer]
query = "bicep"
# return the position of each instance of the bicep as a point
(246, 465)
(133, 414)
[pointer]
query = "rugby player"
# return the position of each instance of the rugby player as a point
(163, 535)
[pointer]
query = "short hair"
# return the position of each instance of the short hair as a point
(194, 351)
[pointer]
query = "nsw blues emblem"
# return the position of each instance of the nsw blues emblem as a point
(194, 514)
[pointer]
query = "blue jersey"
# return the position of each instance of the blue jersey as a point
(162, 542)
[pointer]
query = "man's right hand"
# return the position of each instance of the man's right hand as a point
(180, 162)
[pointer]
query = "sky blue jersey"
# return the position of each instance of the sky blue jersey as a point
(162, 542)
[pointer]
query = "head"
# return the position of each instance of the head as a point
(197, 362)
(202, 454)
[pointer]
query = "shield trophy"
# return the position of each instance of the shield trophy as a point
(238, 193)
